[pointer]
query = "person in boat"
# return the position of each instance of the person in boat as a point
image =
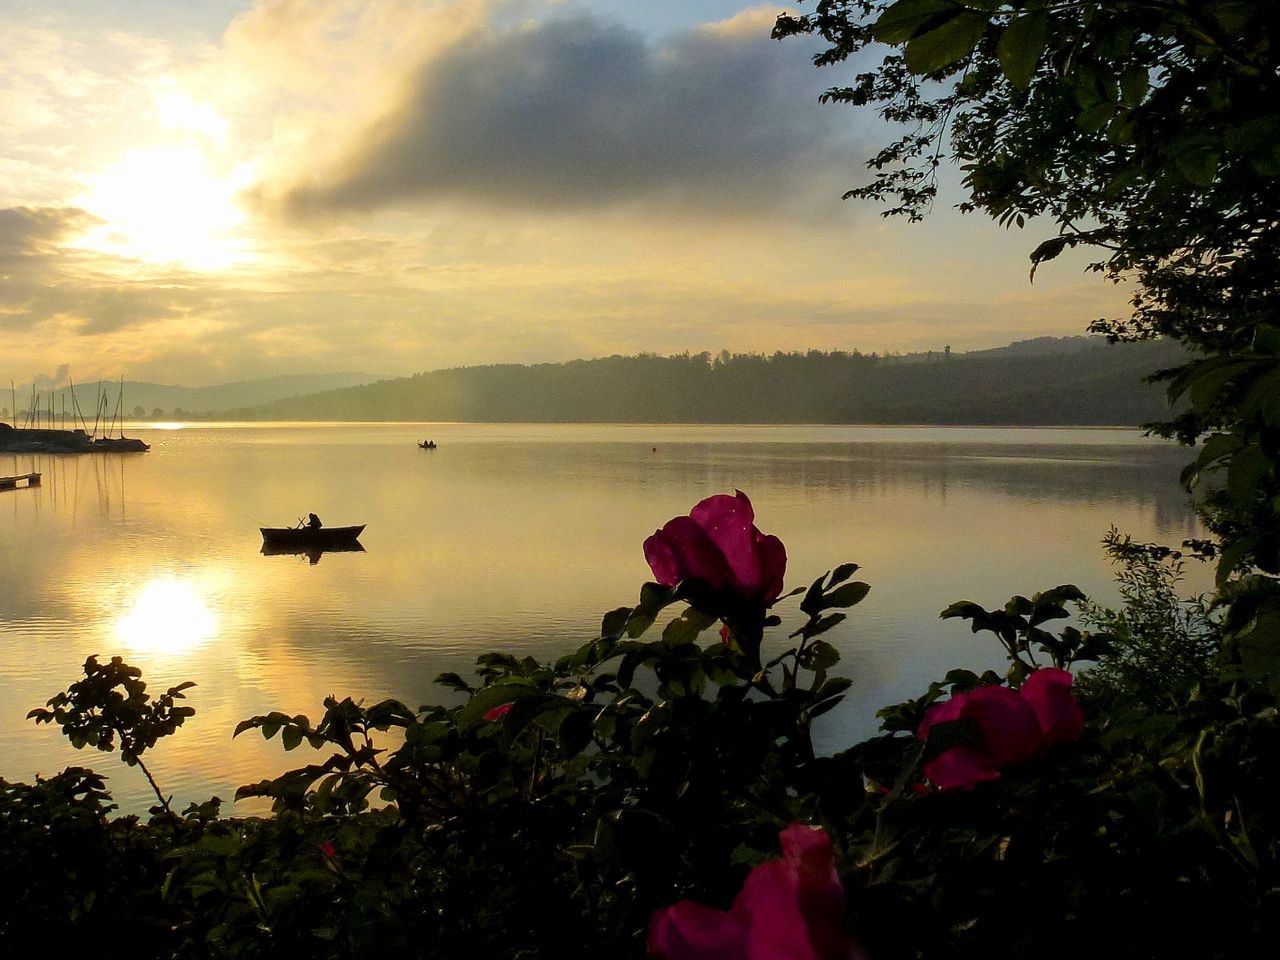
(313, 522)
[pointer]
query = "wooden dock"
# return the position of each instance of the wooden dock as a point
(11, 483)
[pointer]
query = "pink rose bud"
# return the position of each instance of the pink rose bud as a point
(789, 909)
(497, 713)
(1013, 727)
(719, 544)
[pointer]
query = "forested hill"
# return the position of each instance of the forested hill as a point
(1061, 382)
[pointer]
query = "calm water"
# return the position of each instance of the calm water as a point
(515, 537)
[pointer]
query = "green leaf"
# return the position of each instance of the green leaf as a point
(1263, 398)
(1095, 117)
(653, 598)
(1021, 46)
(821, 655)
(963, 608)
(843, 573)
(1245, 474)
(1047, 250)
(453, 681)
(530, 708)
(948, 44)
(1266, 339)
(614, 623)
(813, 597)
(686, 627)
(1134, 84)
(903, 20)
(1206, 388)
(848, 595)
(1199, 167)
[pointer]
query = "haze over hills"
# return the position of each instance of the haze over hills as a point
(176, 402)
(1051, 381)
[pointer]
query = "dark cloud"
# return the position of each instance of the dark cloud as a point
(35, 231)
(585, 113)
(41, 279)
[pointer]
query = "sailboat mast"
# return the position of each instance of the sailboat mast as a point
(76, 414)
(118, 416)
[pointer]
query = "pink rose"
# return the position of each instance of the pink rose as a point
(497, 713)
(789, 909)
(718, 543)
(1013, 727)
(329, 850)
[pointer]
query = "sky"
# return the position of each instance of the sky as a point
(200, 193)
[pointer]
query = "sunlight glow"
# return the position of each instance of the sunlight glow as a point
(169, 616)
(164, 205)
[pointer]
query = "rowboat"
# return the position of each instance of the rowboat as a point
(304, 538)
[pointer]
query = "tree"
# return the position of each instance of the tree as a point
(1144, 130)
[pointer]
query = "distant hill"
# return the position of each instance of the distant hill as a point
(201, 401)
(1052, 381)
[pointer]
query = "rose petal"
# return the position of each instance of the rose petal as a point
(789, 909)
(821, 893)
(662, 560)
(693, 931)
(795, 906)
(1008, 731)
(1048, 691)
(693, 551)
(773, 566)
(730, 523)
(942, 712)
(960, 768)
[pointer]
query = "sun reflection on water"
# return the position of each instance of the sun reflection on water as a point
(169, 616)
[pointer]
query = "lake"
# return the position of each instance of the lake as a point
(513, 537)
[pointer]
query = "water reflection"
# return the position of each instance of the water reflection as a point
(516, 537)
(313, 554)
(169, 617)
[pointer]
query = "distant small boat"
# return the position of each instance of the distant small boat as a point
(428, 444)
(305, 538)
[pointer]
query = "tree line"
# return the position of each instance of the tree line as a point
(1092, 384)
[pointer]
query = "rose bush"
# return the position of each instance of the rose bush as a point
(789, 909)
(1011, 727)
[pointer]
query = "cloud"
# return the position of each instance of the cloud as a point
(47, 381)
(32, 231)
(585, 113)
(47, 281)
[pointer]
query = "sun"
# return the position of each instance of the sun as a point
(169, 616)
(165, 205)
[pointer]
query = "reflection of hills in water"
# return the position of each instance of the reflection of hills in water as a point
(1069, 474)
